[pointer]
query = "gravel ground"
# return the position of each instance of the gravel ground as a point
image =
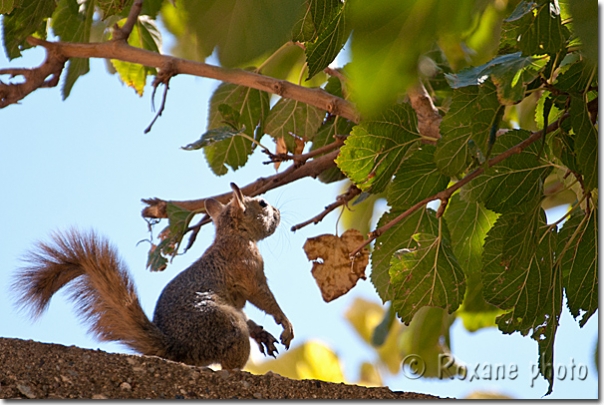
(31, 369)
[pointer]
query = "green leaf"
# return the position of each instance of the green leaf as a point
(151, 8)
(577, 78)
(545, 328)
(389, 38)
(72, 22)
(522, 9)
(510, 73)
(375, 149)
(326, 135)
(318, 14)
(144, 35)
(578, 250)
(291, 117)
(553, 114)
(519, 277)
(30, 17)
(586, 142)
(563, 147)
(179, 219)
(585, 24)
(6, 6)
(171, 237)
(334, 86)
(230, 116)
(322, 51)
(416, 178)
(511, 26)
(468, 224)
(252, 106)
(400, 236)
(545, 34)
(155, 260)
(516, 181)
(239, 31)
(213, 135)
(518, 260)
(114, 7)
(426, 275)
(470, 117)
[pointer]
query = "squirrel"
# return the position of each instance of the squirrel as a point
(198, 318)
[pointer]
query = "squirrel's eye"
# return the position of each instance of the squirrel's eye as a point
(262, 203)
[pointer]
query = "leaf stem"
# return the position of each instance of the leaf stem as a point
(249, 138)
(302, 71)
(273, 56)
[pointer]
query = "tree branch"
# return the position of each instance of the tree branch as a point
(122, 51)
(122, 34)
(444, 195)
(157, 207)
(34, 78)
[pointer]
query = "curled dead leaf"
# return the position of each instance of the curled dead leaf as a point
(281, 147)
(300, 144)
(332, 268)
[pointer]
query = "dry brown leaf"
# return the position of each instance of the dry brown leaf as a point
(281, 148)
(299, 145)
(332, 268)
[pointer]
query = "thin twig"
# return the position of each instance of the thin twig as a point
(122, 34)
(342, 199)
(163, 77)
(446, 194)
(195, 230)
(300, 159)
(335, 73)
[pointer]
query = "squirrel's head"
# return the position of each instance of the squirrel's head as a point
(249, 217)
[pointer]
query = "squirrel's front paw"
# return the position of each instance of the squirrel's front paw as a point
(288, 333)
(264, 338)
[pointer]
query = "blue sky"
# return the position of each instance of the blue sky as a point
(86, 162)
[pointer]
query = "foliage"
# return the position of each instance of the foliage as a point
(515, 83)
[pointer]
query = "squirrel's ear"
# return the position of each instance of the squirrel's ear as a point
(213, 208)
(237, 196)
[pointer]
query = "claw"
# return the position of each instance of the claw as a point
(266, 341)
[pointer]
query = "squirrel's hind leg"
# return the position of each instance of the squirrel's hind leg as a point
(211, 333)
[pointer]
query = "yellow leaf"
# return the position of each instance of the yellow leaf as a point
(310, 360)
(369, 376)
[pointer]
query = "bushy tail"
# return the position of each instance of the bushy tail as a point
(98, 283)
